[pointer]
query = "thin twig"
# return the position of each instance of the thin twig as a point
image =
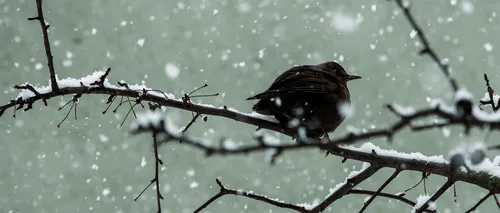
(491, 93)
(225, 191)
(496, 200)
(191, 122)
(418, 183)
(145, 188)
(46, 43)
(479, 202)
(391, 196)
(394, 175)
(159, 197)
(427, 48)
(344, 189)
(436, 195)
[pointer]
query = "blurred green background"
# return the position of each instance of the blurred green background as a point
(236, 47)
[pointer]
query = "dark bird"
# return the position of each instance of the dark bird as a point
(313, 96)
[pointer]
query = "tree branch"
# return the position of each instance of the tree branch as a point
(436, 195)
(382, 194)
(46, 43)
(479, 202)
(350, 183)
(394, 175)
(427, 48)
(225, 191)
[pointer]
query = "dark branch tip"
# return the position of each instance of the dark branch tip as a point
(220, 184)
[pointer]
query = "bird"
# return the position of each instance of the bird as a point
(315, 97)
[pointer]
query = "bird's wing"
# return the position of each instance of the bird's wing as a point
(308, 79)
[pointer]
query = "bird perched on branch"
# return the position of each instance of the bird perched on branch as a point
(313, 96)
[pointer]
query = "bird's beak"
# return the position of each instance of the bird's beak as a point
(352, 77)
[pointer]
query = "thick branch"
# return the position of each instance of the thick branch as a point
(481, 179)
(450, 118)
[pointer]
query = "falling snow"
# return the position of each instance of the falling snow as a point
(143, 161)
(193, 185)
(467, 6)
(103, 138)
(488, 46)
(106, 191)
(38, 66)
(140, 42)
(244, 7)
(172, 71)
(344, 22)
